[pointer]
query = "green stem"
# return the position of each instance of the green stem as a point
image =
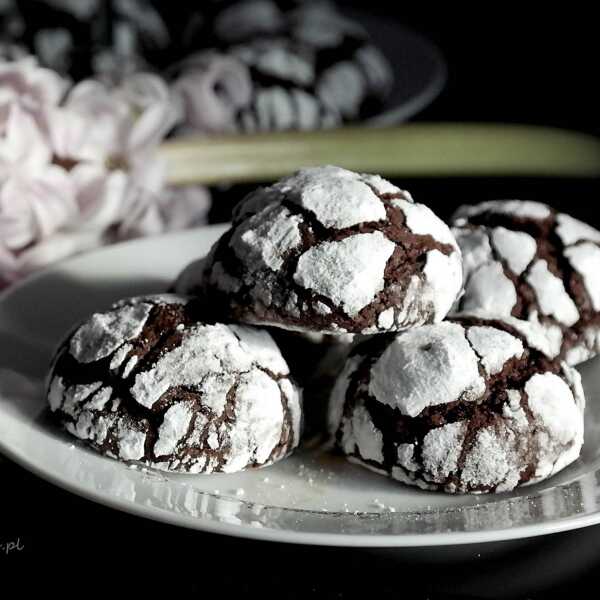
(411, 150)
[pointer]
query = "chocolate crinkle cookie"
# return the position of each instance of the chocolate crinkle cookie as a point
(329, 250)
(526, 260)
(148, 381)
(280, 66)
(461, 406)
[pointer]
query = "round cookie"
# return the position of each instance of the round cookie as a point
(461, 406)
(147, 381)
(332, 251)
(529, 261)
(307, 66)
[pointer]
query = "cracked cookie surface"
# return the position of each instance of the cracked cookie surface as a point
(332, 251)
(464, 406)
(149, 381)
(523, 259)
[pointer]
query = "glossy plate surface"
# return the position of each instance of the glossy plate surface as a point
(417, 64)
(309, 498)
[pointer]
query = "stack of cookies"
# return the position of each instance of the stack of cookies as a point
(440, 356)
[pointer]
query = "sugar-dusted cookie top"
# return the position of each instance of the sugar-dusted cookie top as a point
(329, 250)
(461, 406)
(528, 261)
(148, 381)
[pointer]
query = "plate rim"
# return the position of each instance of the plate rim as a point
(365, 540)
(421, 540)
(394, 114)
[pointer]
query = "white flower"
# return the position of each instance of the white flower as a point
(34, 208)
(107, 137)
(113, 125)
(157, 109)
(81, 169)
(23, 145)
(24, 82)
(36, 197)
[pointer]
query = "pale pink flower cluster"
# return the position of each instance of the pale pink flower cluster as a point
(79, 165)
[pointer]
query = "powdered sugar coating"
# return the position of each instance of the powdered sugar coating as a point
(109, 331)
(349, 272)
(132, 442)
(572, 230)
(551, 294)
(585, 259)
(383, 186)
(493, 460)
(338, 393)
(119, 356)
(176, 423)
(259, 420)
(437, 365)
(524, 209)
(360, 434)
(406, 457)
(191, 397)
(203, 349)
(517, 249)
(525, 260)
(475, 247)
(421, 220)
(491, 290)
(494, 346)
(265, 239)
(544, 337)
(327, 197)
(330, 250)
(261, 346)
(441, 450)
(450, 440)
(443, 275)
(558, 411)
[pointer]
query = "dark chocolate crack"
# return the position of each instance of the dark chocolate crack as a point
(484, 412)
(407, 260)
(551, 249)
(161, 333)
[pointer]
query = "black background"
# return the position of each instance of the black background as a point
(506, 63)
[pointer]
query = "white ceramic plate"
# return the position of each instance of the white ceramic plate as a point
(417, 64)
(310, 498)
